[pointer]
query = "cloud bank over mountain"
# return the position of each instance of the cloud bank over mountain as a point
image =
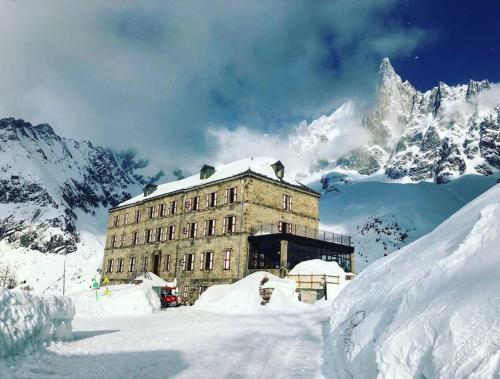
(158, 75)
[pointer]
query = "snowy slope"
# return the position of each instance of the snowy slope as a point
(383, 216)
(431, 309)
(54, 193)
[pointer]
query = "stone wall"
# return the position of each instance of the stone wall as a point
(259, 201)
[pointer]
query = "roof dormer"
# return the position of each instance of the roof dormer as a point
(149, 189)
(207, 171)
(279, 169)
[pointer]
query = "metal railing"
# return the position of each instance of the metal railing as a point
(303, 231)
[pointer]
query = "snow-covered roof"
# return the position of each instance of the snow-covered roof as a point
(258, 165)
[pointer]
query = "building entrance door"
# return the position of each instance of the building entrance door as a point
(156, 264)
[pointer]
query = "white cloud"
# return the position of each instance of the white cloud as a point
(156, 75)
(301, 148)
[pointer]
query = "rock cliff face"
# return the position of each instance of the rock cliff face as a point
(45, 180)
(435, 136)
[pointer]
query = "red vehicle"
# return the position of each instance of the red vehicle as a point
(169, 298)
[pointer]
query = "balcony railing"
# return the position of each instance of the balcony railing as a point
(303, 231)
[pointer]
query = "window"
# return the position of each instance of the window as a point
(209, 229)
(120, 265)
(114, 241)
(287, 203)
(185, 292)
(168, 262)
(227, 260)
(138, 216)
(131, 265)
(135, 238)
(190, 262)
(116, 221)
(163, 210)
(183, 262)
(125, 219)
(231, 195)
(195, 203)
(153, 211)
(159, 234)
(110, 266)
(171, 232)
(229, 225)
(202, 289)
(212, 200)
(193, 229)
(206, 260)
(173, 207)
(150, 237)
(144, 263)
(122, 240)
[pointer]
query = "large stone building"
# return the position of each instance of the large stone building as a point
(218, 226)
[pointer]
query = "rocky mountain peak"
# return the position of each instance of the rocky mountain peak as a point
(474, 87)
(46, 181)
(386, 70)
(435, 135)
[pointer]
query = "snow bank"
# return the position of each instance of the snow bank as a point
(122, 300)
(430, 310)
(27, 320)
(242, 297)
(317, 267)
(152, 280)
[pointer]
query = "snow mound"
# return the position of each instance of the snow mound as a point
(152, 280)
(430, 310)
(317, 267)
(27, 320)
(242, 297)
(122, 300)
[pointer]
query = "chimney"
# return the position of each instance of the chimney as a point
(149, 189)
(206, 171)
(279, 169)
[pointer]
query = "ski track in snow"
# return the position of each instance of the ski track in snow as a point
(185, 343)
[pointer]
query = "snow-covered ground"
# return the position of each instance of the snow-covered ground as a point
(186, 342)
(430, 310)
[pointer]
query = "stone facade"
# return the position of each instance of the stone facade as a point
(242, 202)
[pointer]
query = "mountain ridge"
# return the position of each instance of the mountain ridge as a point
(44, 179)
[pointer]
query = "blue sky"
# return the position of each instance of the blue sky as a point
(158, 76)
(463, 41)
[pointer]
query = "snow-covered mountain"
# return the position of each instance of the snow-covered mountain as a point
(436, 135)
(429, 310)
(444, 142)
(54, 192)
